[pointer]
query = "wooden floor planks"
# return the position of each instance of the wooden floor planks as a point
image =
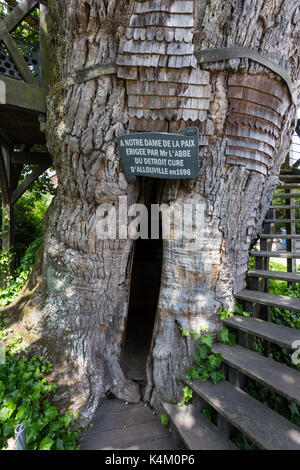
(119, 426)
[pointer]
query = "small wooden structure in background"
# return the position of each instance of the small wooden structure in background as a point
(23, 90)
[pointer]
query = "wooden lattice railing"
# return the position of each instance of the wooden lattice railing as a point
(30, 91)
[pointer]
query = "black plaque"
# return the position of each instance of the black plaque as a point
(160, 155)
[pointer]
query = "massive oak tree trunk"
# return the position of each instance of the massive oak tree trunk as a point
(75, 307)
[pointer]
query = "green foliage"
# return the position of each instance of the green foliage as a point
(191, 332)
(238, 308)
(164, 419)
(29, 218)
(225, 314)
(187, 396)
(11, 292)
(243, 442)
(207, 364)
(252, 262)
(211, 414)
(25, 32)
(25, 396)
(226, 337)
(278, 403)
(257, 345)
(6, 257)
(29, 211)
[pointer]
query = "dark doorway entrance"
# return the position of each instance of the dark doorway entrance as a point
(144, 292)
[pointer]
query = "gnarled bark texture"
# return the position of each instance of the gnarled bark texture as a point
(75, 306)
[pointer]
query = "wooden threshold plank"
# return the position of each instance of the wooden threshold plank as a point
(281, 276)
(264, 298)
(124, 438)
(114, 405)
(120, 420)
(278, 334)
(267, 429)
(276, 376)
(197, 432)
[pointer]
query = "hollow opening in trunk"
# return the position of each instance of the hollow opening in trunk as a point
(144, 292)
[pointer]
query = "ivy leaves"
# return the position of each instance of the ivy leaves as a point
(25, 396)
(227, 338)
(207, 364)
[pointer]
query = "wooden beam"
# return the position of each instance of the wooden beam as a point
(16, 170)
(4, 182)
(18, 14)
(24, 95)
(30, 20)
(44, 47)
(4, 139)
(32, 158)
(20, 190)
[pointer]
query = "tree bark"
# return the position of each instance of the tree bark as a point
(75, 307)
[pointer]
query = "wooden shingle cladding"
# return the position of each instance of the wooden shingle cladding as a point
(165, 84)
(257, 104)
(156, 58)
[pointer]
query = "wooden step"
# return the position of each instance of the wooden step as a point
(289, 186)
(281, 276)
(275, 221)
(196, 431)
(289, 176)
(284, 207)
(278, 377)
(279, 236)
(264, 298)
(286, 196)
(276, 254)
(278, 334)
(267, 429)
